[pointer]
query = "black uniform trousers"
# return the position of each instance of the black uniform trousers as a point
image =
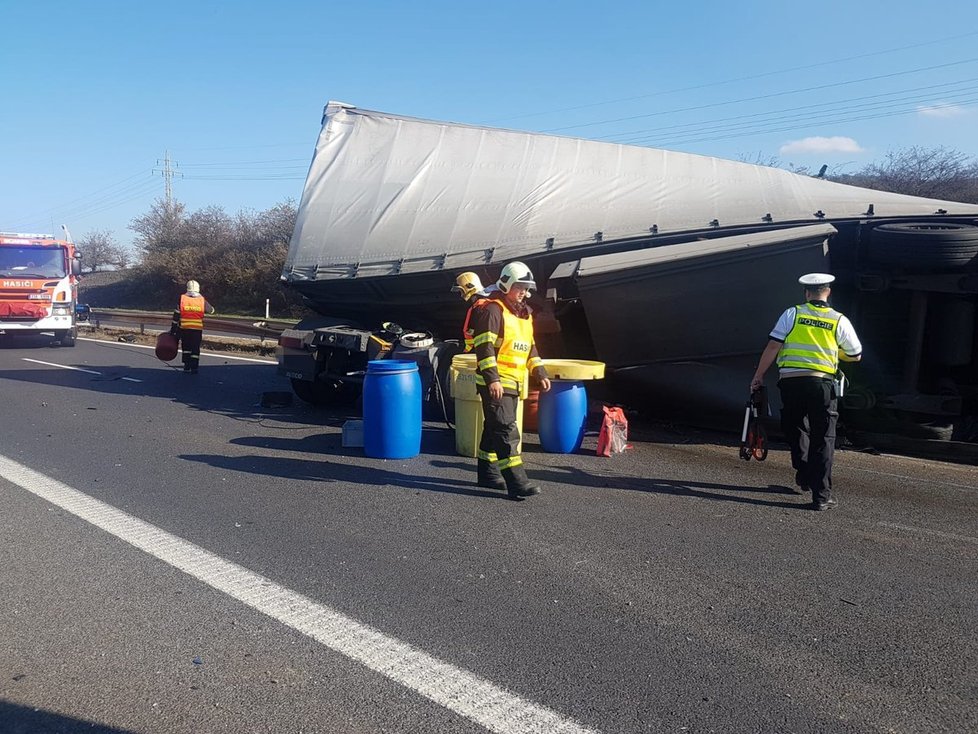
(499, 432)
(190, 340)
(809, 415)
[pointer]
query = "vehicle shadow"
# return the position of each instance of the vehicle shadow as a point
(223, 386)
(16, 719)
(435, 441)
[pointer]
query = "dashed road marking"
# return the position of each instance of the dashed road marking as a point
(457, 690)
(62, 366)
(76, 369)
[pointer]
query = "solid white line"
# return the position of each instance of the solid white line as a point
(216, 355)
(62, 366)
(455, 689)
(131, 379)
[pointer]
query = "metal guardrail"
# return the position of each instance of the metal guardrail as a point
(161, 322)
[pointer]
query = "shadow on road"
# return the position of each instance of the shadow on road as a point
(224, 386)
(368, 472)
(435, 441)
(570, 475)
(15, 719)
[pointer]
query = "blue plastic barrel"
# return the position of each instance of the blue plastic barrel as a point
(562, 416)
(392, 409)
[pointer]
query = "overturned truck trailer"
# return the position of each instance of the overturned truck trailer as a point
(669, 267)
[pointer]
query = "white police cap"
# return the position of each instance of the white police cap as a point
(816, 279)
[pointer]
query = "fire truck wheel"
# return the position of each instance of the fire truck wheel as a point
(66, 338)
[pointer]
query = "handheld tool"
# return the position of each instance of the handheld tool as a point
(753, 437)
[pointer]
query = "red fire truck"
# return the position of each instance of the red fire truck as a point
(38, 286)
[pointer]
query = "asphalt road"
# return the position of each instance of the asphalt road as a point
(674, 588)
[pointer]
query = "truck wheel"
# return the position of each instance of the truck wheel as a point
(326, 394)
(924, 245)
(66, 338)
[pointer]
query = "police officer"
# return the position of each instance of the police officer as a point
(505, 353)
(188, 323)
(807, 342)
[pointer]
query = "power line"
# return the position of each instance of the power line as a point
(100, 199)
(739, 79)
(802, 125)
(828, 117)
(44, 212)
(764, 96)
(242, 177)
(99, 206)
(810, 113)
(930, 88)
(241, 164)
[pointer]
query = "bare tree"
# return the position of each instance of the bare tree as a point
(238, 259)
(159, 229)
(99, 249)
(123, 258)
(760, 158)
(937, 173)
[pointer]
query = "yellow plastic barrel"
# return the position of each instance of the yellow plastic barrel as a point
(574, 369)
(468, 406)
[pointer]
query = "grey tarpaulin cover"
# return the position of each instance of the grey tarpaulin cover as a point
(388, 195)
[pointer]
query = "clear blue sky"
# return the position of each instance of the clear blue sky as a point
(94, 91)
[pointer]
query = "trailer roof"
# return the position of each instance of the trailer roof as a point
(388, 194)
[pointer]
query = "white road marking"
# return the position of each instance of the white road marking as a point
(926, 531)
(456, 689)
(77, 369)
(62, 366)
(216, 355)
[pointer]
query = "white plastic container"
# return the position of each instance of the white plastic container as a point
(353, 434)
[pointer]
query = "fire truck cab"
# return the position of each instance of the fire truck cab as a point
(38, 286)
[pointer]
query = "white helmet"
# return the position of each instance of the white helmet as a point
(515, 272)
(193, 286)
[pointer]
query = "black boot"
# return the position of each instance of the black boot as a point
(518, 485)
(489, 475)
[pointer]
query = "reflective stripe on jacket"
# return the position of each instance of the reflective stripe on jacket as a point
(511, 350)
(812, 343)
(468, 333)
(192, 312)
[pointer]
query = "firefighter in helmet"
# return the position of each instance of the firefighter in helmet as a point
(505, 355)
(469, 286)
(188, 324)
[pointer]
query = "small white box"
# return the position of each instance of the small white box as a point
(353, 434)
